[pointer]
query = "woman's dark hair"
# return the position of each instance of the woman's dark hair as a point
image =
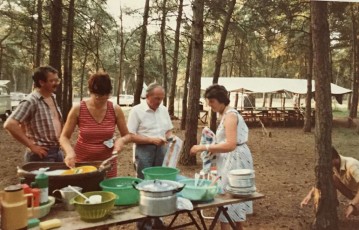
(40, 74)
(100, 83)
(217, 92)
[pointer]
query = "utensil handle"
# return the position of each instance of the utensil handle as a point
(215, 180)
(179, 189)
(21, 172)
(102, 166)
(79, 193)
(134, 184)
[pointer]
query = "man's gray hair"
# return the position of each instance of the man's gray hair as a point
(152, 86)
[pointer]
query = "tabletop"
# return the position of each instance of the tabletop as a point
(128, 214)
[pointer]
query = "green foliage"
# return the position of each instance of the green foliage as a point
(266, 38)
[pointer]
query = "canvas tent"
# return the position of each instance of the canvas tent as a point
(268, 85)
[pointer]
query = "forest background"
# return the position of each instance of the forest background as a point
(251, 38)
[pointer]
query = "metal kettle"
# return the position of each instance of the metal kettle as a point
(14, 213)
(66, 195)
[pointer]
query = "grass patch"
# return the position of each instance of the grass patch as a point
(340, 113)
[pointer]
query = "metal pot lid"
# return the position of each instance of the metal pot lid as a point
(158, 185)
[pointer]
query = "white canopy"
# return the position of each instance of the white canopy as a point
(267, 85)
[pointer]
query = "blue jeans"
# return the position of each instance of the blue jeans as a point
(148, 156)
(54, 154)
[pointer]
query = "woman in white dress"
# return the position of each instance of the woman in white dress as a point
(231, 149)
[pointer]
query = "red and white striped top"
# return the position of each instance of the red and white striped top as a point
(89, 145)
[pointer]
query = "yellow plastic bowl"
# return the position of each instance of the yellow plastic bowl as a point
(81, 169)
(94, 212)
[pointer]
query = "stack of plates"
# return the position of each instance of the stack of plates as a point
(241, 192)
(241, 182)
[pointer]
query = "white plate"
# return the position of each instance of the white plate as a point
(244, 191)
(241, 172)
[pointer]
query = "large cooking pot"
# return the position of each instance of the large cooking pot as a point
(158, 197)
(87, 181)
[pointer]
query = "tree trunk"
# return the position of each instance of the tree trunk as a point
(97, 36)
(141, 60)
(122, 54)
(38, 34)
(218, 62)
(185, 88)
(307, 127)
(353, 113)
(56, 43)
(326, 214)
(1, 54)
(171, 105)
(194, 85)
(163, 50)
(66, 95)
(83, 74)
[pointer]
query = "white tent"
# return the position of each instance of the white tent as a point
(267, 85)
(4, 82)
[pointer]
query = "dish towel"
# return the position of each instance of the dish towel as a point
(207, 137)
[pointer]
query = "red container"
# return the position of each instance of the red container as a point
(36, 194)
(26, 188)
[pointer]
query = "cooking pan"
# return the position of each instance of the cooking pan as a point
(87, 181)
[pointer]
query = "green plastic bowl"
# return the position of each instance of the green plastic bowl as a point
(94, 212)
(122, 187)
(162, 173)
(201, 193)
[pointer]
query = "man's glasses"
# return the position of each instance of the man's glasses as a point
(57, 80)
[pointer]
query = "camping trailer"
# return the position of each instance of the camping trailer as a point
(5, 101)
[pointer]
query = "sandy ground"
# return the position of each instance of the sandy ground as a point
(284, 168)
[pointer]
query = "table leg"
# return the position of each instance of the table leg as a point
(214, 221)
(173, 220)
(201, 219)
(193, 220)
(224, 210)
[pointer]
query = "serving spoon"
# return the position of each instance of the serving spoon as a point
(87, 201)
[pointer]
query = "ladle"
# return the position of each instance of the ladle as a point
(87, 201)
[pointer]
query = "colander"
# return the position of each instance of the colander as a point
(94, 212)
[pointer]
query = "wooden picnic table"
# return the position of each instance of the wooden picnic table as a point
(203, 117)
(128, 214)
(278, 115)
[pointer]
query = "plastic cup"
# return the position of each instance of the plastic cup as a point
(95, 199)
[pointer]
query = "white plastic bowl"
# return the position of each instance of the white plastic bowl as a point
(241, 178)
(43, 210)
(241, 172)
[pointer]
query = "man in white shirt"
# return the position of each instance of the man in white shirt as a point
(151, 124)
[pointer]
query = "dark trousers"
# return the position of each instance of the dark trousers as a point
(54, 154)
(148, 156)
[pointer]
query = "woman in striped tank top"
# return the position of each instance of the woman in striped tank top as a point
(96, 119)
